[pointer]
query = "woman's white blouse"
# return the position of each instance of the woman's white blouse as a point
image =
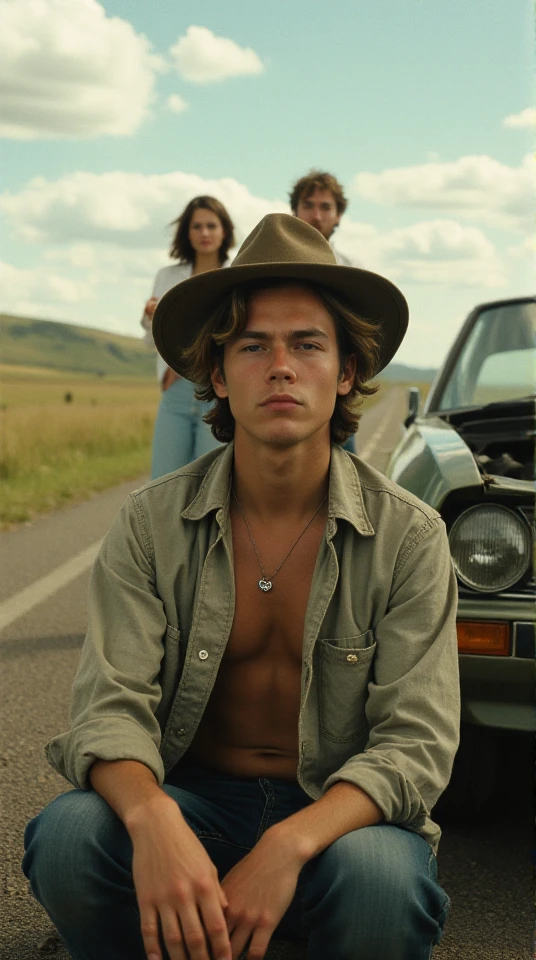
(165, 279)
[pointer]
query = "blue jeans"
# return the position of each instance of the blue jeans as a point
(371, 895)
(180, 434)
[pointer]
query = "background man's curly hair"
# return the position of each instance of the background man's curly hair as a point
(317, 180)
(356, 336)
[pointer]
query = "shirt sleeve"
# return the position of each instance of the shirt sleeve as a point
(166, 278)
(413, 706)
(116, 689)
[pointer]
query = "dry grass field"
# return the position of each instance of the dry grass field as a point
(55, 450)
(65, 436)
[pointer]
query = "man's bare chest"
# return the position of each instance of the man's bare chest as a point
(269, 625)
(250, 725)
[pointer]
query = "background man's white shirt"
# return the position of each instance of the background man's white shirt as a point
(343, 260)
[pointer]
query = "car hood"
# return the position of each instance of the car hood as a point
(501, 438)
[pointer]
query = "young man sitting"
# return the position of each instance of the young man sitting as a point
(266, 708)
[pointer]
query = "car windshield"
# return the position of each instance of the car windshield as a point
(497, 361)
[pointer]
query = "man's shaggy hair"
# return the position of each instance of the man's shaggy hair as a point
(317, 180)
(355, 337)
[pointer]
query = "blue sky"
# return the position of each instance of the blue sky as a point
(115, 113)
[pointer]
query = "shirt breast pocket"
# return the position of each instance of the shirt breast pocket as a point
(344, 667)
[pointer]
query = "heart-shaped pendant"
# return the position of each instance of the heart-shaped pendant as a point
(265, 585)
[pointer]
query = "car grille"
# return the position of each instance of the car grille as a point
(528, 590)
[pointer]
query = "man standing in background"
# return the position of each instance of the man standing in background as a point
(318, 198)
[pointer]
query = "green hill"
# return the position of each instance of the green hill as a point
(400, 372)
(64, 346)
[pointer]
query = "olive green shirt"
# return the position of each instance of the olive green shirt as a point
(379, 691)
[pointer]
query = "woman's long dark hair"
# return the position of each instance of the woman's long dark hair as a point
(181, 249)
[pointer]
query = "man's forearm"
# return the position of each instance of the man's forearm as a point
(129, 787)
(343, 808)
(175, 881)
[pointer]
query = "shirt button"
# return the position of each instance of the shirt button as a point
(352, 658)
(203, 654)
(181, 732)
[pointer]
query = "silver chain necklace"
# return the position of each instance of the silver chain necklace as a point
(265, 583)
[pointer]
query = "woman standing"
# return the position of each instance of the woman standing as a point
(203, 237)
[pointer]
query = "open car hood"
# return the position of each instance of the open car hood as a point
(501, 437)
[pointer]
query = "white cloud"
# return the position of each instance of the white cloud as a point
(435, 252)
(473, 187)
(101, 239)
(114, 224)
(526, 249)
(107, 236)
(81, 255)
(202, 57)
(68, 70)
(526, 119)
(103, 263)
(128, 209)
(176, 103)
(39, 292)
(442, 252)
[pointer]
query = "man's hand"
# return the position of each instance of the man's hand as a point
(259, 891)
(177, 887)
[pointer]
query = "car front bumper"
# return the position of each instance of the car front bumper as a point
(499, 691)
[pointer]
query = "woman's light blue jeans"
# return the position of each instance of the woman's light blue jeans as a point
(372, 895)
(180, 434)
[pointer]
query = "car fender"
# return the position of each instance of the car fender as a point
(431, 460)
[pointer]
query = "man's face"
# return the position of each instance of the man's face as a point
(320, 210)
(282, 375)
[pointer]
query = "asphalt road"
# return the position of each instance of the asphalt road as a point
(485, 865)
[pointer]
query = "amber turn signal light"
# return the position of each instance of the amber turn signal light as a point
(483, 637)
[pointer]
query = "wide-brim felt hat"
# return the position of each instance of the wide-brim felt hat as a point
(280, 246)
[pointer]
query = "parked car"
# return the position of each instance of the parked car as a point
(470, 455)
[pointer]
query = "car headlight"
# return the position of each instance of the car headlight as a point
(491, 547)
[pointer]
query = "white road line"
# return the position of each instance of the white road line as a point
(23, 601)
(376, 439)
